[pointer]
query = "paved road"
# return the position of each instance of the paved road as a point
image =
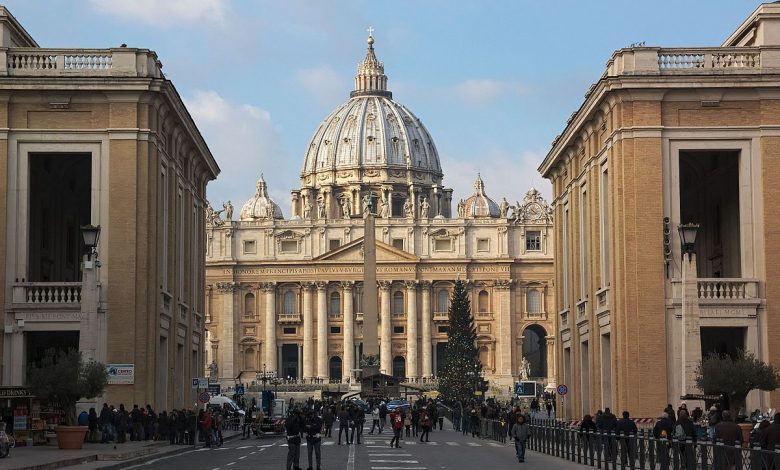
(447, 449)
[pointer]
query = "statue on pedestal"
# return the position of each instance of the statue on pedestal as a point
(307, 209)
(228, 208)
(213, 371)
(368, 205)
(408, 209)
(504, 208)
(461, 209)
(384, 209)
(346, 208)
(424, 208)
(321, 207)
(525, 369)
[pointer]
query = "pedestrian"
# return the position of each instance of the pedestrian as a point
(685, 431)
(327, 419)
(352, 423)
(123, 423)
(408, 424)
(520, 433)
(627, 431)
(549, 408)
(426, 425)
(382, 416)
(293, 430)
(313, 428)
(397, 425)
(105, 424)
(344, 424)
(474, 425)
(729, 433)
(205, 422)
(770, 436)
(713, 418)
(360, 419)
(608, 425)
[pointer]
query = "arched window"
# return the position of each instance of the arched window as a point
(249, 305)
(249, 359)
(334, 367)
(483, 302)
(398, 303)
(533, 301)
(484, 357)
(289, 303)
(535, 350)
(399, 366)
(443, 301)
(335, 304)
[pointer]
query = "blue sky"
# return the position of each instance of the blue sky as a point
(493, 81)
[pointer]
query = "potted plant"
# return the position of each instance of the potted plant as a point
(62, 378)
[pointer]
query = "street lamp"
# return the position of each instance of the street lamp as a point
(90, 233)
(688, 237)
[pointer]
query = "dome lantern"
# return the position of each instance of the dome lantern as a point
(371, 79)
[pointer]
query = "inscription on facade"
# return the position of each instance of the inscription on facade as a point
(50, 316)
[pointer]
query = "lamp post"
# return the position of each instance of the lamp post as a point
(90, 234)
(690, 323)
(688, 237)
(92, 326)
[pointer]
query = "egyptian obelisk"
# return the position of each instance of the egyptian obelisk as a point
(370, 316)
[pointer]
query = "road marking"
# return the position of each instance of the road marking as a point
(389, 455)
(452, 444)
(267, 445)
(376, 446)
(394, 461)
(231, 463)
(242, 457)
(329, 443)
(495, 444)
(253, 452)
(399, 468)
(473, 444)
(351, 458)
(432, 443)
(243, 447)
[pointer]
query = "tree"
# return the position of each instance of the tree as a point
(461, 374)
(735, 376)
(62, 378)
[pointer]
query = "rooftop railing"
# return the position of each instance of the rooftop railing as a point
(118, 62)
(681, 61)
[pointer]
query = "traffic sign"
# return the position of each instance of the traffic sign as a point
(239, 389)
(525, 389)
(204, 397)
(214, 389)
(563, 389)
(200, 382)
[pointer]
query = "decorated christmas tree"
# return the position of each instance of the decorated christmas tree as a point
(461, 374)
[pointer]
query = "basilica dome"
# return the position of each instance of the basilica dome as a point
(479, 204)
(372, 131)
(260, 206)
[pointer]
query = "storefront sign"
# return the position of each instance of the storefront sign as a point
(14, 392)
(120, 374)
(20, 423)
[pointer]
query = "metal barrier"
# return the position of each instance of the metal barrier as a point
(611, 451)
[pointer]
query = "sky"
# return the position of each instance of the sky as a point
(494, 81)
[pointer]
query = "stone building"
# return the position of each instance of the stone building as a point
(669, 136)
(101, 137)
(285, 294)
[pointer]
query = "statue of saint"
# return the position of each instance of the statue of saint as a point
(518, 212)
(269, 211)
(384, 209)
(461, 209)
(213, 371)
(212, 216)
(321, 208)
(346, 208)
(408, 209)
(503, 208)
(228, 207)
(424, 208)
(307, 209)
(368, 205)
(525, 369)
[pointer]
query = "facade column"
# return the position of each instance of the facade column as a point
(349, 331)
(504, 336)
(411, 330)
(425, 341)
(308, 331)
(551, 372)
(691, 329)
(271, 357)
(322, 330)
(385, 345)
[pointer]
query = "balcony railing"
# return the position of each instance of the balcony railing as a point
(441, 316)
(728, 289)
(289, 318)
(700, 60)
(120, 62)
(47, 293)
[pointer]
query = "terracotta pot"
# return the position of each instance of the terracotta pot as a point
(746, 428)
(70, 437)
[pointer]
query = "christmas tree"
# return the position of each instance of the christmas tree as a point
(461, 374)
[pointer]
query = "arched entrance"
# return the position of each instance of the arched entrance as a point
(399, 366)
(535, 349)
(334, 367)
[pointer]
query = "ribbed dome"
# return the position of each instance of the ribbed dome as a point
(257, 207)
(479, 204)
(371, 130)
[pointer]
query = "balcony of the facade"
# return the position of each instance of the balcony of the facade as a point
(721, 297)
(289, 318)
(441, 317)
(46, 296)
(40, 62)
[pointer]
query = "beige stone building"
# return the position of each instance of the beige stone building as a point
(669, 136)
(100, 136)
(285, 294)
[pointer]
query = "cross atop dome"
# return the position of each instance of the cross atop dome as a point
(371, 79)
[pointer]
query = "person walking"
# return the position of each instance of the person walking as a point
(397, 424)
(520, 433)
(360, 419)
(426, 422)
(327, 420)
(408, 424)
(382, 416)
(344, 424)
(313, 429)
(293, 428)
(627, 431)
(728, 432)
(374, 419)
(352, 410)
(105, 424)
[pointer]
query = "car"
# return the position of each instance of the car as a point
(221, 401)
(399, 404)
(363, 405)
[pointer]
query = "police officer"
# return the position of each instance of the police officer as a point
(294, 428)
(313, 428)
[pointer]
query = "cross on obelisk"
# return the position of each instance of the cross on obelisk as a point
(370, 31)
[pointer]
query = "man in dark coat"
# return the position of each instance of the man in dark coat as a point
(729, 432)
(313, 430)
(294, 427)
(626, 429)
(343, 423)
(608, 425)
(770, 436)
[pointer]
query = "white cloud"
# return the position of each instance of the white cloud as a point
(505, 174)
(323, 83)
(480, 92)
(165, 12)
(245, 143)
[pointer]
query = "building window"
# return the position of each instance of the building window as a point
(250, 247)
(442, 244)
(334, 368)
(535, 350)
(335, 304)
(533, 301)
(533, 240)
(288, 307)
(566, 260)
(289, 330)
(483, 244)
(398, 330)
(483, 302)
(443, 301)
(289, 246)
(249, 305)
(333, 243)
(398, 243)
(604, 225)
(399, 366)
(334, 330)
(249, 359)
(444, 329)
(398, 303)
(583, 233)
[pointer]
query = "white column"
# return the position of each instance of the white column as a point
(504, 336)
(425, 341)
(385, 345)
(691, 331)
(308, 331)
(349, 331)
(271, 357)
(411, 329)
(322, 330)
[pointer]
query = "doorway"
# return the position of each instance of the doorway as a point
(290, 361)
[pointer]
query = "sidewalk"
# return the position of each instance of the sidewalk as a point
(95, 455)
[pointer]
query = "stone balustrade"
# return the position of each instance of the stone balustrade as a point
(727, 289)
(45, 62)
(37, 294)
(441, 316)
(713, 60)
(289, 318)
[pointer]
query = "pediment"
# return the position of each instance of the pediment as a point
(353, 252)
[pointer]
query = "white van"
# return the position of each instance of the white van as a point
(220, 401)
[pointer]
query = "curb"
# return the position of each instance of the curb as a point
(152, 456)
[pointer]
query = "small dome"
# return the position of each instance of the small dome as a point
(260, 206)
(478, 204)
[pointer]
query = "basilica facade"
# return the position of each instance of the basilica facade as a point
(285, 295)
